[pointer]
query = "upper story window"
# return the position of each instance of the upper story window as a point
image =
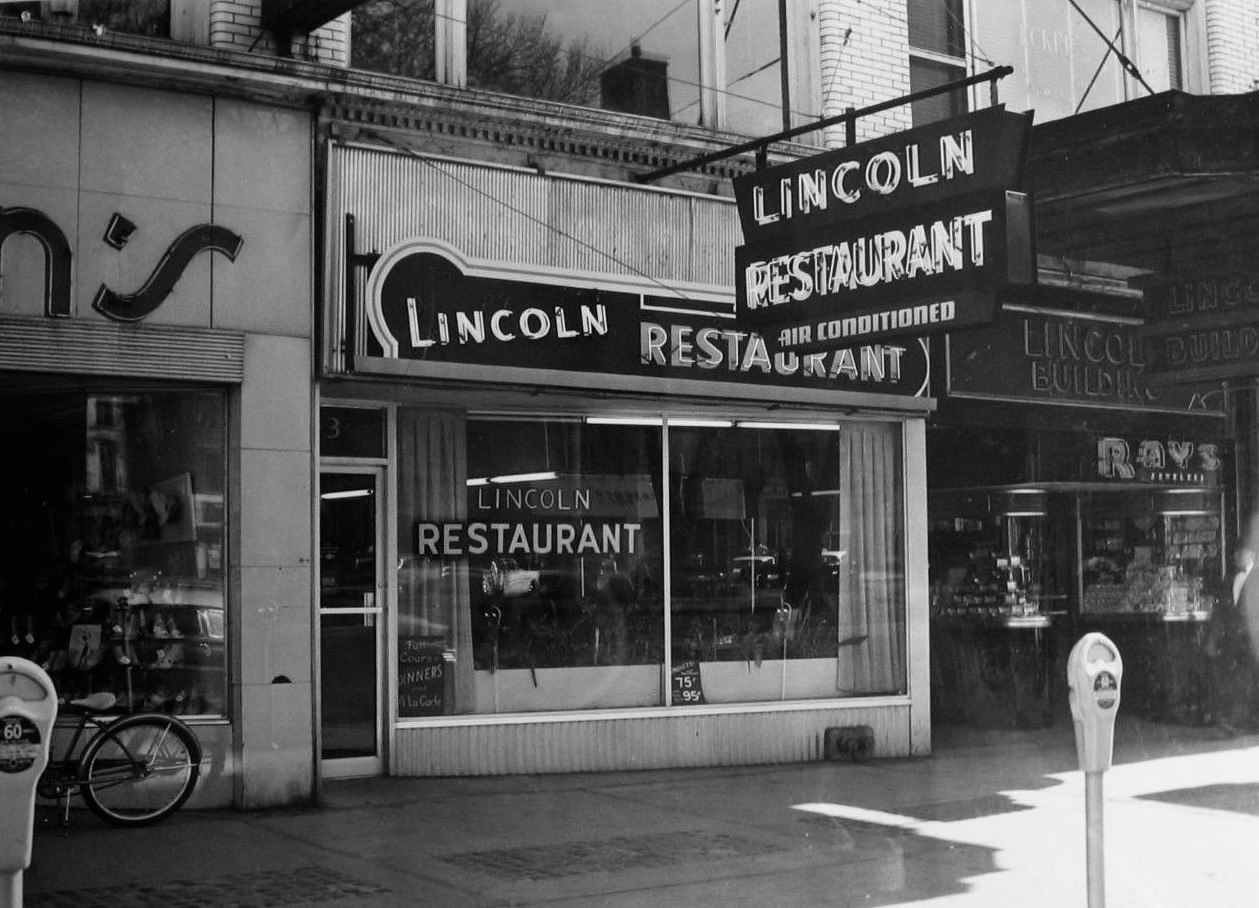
(715, 63)
(937, 56)
(132, 17)
(640, 57)
(1159, 45)
(1063, 66)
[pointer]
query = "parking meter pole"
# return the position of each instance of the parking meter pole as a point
(28, 709)
(1094, 672)
(11, 890)
(1094, 840)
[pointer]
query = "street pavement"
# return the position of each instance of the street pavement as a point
(993, 818)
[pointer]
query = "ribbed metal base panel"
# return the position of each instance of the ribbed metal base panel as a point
(607, 744)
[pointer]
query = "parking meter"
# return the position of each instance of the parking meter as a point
(28, 708)
(1094, 671)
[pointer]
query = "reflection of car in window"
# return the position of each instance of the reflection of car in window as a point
(505, 577)
(763, 567)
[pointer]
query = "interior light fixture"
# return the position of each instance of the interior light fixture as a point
(524, 477)
(625, 420)
(807, 426)
(701, 423)
(347, 493)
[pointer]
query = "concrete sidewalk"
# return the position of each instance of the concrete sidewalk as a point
(993, 819)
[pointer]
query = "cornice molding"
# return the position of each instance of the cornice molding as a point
(502, 127)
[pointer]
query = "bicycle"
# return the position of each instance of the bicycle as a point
(132, 770)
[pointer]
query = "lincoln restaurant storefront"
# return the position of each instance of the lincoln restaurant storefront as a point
(572, 515)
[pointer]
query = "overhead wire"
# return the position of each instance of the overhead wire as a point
(407, 150)
(1129, 66)
(605, 62)
(1097, 72)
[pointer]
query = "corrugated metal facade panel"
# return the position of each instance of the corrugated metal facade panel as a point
(735, 739)
(514, 216)
(140, 351)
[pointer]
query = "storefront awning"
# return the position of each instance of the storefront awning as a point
(1167, 184)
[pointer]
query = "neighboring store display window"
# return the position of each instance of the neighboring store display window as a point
(1153, 552)
(112, 540)
(532, 574)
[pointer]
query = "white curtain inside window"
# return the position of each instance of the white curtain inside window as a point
(871, 619)
(433, 598)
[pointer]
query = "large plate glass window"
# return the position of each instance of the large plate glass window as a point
(531, 570)
(788, 570)
(112, 539)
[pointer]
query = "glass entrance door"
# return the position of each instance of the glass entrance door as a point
(351, 621)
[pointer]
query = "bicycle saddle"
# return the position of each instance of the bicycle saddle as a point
(98, 702)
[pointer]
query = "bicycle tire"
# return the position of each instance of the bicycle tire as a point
(140, 769)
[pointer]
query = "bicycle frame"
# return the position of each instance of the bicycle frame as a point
(62, 778)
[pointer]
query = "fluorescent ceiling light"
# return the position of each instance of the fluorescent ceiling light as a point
(701, 423)
(814, 426)
(348, 493)
(525, 477)
(625, 420)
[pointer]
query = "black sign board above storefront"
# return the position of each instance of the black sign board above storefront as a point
(1206, 353)
(891, 266)
(915, 231)
(1033, 356)
(1202, 328)
(982, 150)
(1178, 302)
(430, 306)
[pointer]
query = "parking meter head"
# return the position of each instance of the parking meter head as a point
(28, 708)
(1094, 675)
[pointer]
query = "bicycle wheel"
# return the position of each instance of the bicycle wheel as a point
(140, 769)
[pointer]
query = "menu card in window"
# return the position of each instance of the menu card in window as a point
(421, 676)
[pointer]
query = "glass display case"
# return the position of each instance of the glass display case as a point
(992, 609)
(112, 561)
(1019, 572)
(1152, 568)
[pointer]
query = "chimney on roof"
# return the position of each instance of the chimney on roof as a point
(638, 85)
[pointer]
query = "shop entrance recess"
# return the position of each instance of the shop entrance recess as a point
(351, 620)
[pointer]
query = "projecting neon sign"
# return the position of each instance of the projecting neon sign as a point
(904, 236)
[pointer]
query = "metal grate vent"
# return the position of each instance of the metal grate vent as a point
(245, 890)
(142, 351)
(567, 859)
